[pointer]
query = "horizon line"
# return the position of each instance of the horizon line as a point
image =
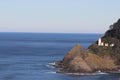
(52, 32)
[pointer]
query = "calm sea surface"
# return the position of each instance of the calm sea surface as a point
(29, 56)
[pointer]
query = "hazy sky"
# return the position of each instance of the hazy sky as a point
(58, 16)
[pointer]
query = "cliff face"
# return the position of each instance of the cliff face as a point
(80, 61)
(105, 57)
(74, 52)
(112, 36)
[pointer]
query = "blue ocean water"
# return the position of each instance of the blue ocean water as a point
(29, 56)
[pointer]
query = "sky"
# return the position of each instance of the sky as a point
(58, 16)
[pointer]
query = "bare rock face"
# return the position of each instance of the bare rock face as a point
(80, 61)
(78, 64)
(74, 52)
(96, 62)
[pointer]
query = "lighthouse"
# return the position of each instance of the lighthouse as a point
(99, 42)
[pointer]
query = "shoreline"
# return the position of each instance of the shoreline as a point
(92, 73)
(62, 70)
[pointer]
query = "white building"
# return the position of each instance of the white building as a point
(100, 43)
(111, 45)
(106, 44)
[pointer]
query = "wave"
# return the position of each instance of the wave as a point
(51, 72)
(51, 65)
(82, 74)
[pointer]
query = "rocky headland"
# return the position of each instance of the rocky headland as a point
(102, 56)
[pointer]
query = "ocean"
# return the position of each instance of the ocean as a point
(30, 56)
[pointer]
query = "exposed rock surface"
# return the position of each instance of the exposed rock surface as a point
(79, 61)
(95, 58)
(78, 64)
(74, 52)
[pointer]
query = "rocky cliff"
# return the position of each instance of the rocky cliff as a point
(80, 61)
(112, 36)
(105, 57)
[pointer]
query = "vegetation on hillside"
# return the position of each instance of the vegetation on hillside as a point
(111, 36)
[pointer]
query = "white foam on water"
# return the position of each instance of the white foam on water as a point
(52, 72)
(50, 66)
(99, 73)
(52, 63)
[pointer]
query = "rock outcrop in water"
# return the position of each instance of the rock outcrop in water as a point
(80, 61)
(96, 58)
